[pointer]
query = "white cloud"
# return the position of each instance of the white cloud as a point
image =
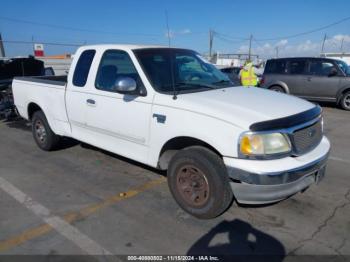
(305, 48)
(337, 42)
(170, 34)
(340, 38)
(283, 42)
(173, 33)
(185, 31)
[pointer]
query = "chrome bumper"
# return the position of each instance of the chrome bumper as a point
(250, 188)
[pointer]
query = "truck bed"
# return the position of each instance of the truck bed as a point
(50, 80)
(47, 92)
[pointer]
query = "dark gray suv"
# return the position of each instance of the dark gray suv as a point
(317, 79)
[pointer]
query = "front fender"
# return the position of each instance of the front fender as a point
(221, 136)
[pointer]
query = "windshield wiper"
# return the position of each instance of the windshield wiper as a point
(222, 82)
(182, 84)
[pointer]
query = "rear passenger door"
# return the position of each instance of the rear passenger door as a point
(319, 84)
(296, 76)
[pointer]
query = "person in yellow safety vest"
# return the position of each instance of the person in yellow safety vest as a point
(247, 75)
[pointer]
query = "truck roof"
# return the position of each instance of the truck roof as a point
(122, 46)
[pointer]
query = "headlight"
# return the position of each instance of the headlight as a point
(254, 144)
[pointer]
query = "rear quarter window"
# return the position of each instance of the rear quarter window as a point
(82, 68)
(297, 67)
(276, 67)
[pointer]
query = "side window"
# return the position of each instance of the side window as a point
(276, 67)
(115, 64)
(321, 68)
(297, 67)
(82, 68)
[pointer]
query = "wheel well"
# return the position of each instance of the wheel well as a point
(178, 143)
(342, 93)
(32, 108)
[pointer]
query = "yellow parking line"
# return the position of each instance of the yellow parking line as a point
(74, 216)
(25, 236)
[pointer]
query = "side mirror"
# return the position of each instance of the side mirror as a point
(125, 85)
(333, 72)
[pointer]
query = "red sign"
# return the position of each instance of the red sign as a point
(38, 49)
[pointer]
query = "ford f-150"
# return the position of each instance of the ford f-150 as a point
(171, 109)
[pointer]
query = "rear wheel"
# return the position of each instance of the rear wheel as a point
(44, 137)
(345, 101)
(277, 89)
(198, 181)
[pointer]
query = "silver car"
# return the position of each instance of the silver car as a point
(316, 79)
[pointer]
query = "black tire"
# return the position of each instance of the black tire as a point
(345, 101)
(44, 137)
(198, 161)
(278, 89)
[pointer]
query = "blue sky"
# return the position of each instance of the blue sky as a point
(137, 21)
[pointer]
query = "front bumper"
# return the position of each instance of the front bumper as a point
(268, 181)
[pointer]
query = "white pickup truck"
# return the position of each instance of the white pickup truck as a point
(170, 109)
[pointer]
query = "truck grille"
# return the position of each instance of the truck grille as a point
(305, 139)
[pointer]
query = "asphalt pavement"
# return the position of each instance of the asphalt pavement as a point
(82, 200)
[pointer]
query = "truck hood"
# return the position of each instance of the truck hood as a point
(240, 106)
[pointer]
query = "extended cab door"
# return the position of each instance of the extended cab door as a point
(77, 93)
(118, 122)
(322, 80)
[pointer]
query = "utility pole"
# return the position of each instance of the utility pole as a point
(250, 46)
(33, 45)
(323, 43)
(276, 51)
(341, 46)
(211, 39)
(2, 49)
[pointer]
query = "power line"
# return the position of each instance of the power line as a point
(234, 38)
(45, 43)
(306, 32)
(287, 36)
(230, 41)
(75, 28)
(257, 43)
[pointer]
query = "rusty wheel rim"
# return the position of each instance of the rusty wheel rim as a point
(192, 185)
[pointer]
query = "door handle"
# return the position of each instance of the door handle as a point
(90, 102)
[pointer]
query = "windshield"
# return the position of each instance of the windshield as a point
(344, 67)
(184, 70)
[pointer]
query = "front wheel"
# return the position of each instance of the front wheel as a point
(198, 181)
(345, 101)
(277, 89)
(44, 137)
